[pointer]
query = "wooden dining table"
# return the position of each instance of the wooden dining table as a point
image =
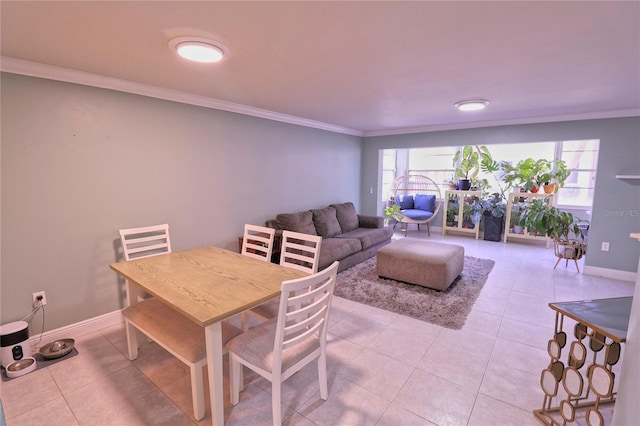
(207, 285)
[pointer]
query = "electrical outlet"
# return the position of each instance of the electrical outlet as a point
(605, 247)
(36, 296)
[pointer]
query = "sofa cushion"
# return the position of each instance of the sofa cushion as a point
(405, 201)
(297, 222)
(333, 249)
(425, 202)
(347, 216)
(326, 222)
(369, 237)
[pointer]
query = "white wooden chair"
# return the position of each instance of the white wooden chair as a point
(144, 242)
(258, 242)
(177, 334)
(279, 348)
(298, 251)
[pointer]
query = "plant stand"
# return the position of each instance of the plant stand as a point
(460, 225)
(526, 197)
(568, 250)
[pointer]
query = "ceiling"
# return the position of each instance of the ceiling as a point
(363, 67)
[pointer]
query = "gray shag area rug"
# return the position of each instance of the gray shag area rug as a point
(448, 308)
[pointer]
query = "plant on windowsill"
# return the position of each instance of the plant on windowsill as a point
(525, 173)
(467, 163)
(553, 176)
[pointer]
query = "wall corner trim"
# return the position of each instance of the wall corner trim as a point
(73, 331)
(610, 273)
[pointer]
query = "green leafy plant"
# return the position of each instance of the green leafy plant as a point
(467, 163)
(555, 172)
(550, 221)
(471, 211)
(393, 213)
(525, 173)
(495, 204)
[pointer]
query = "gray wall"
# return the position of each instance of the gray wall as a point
(616, 206)
(78, 163)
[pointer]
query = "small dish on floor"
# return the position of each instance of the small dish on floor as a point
(57, 348)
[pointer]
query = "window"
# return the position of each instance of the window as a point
(434, 163)
(582, 160)
(581, 157)
(388, 171)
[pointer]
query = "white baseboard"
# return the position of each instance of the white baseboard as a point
(73, 331)
(609, 273)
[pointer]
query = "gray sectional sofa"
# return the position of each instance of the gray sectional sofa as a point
(346, 236)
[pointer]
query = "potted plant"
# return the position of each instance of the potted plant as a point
(553, 176)
(525, 173)
(471, 212)
(393, 213)
(539, 215)
(494, 209)
(467, 163)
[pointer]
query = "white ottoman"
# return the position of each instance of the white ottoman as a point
(433, 265)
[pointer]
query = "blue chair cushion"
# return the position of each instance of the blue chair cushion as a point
(417, 214)
(425, 202)
(406, 201)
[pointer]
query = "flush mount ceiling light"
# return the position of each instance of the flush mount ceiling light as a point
(199, 49)
(472, 105)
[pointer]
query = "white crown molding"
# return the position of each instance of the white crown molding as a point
(509, 122)
(50, 72)
(34, 69)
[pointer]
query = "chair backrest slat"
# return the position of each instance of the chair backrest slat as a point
(138, 243)
(258, 242)
(304, 307)
(300, 251)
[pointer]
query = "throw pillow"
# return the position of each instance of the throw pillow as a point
(425, 202)
(326, 222)
(406, 201)
(297, 222)
(347, 216)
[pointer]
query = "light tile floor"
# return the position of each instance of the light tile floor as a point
(384, 368)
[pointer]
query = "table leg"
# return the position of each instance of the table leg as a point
(213, 336)
(132, 333)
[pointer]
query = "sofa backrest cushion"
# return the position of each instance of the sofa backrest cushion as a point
(297, 222)
(406, 202)
(326, 222)
(347, 216)
(425, 202)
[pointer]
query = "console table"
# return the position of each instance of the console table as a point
(601, 326)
